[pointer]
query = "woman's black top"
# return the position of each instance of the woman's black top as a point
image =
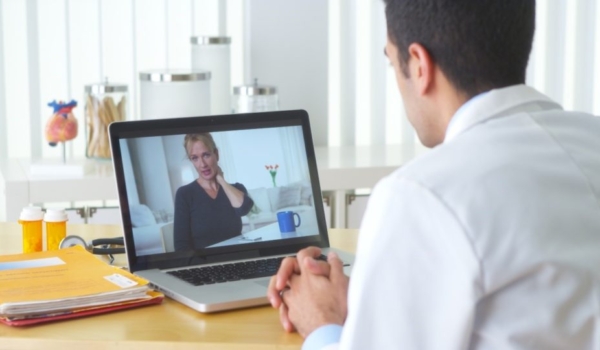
(201, 221)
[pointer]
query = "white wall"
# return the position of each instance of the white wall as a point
(50, 49)
(132, 191)
(177, 162)
(151, 173)
(251, 150)
(288, 49)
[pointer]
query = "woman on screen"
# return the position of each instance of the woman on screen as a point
(208, 210)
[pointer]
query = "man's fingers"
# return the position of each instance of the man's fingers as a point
(288, 267)
(284, 318)
(312, 252)
(273, 293)
(337, 267)
(309, 256)
(316, 267)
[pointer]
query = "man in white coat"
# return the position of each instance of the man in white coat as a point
(489, 241)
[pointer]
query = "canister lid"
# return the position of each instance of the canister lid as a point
(31, 214)
(105, 87)
(210, 40)
(254, 89)
(167, 75)
(55, 215)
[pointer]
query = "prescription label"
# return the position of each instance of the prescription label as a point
(121, 280)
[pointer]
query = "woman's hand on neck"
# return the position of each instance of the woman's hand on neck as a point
(220, 178)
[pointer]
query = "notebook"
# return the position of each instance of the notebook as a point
(210, 205)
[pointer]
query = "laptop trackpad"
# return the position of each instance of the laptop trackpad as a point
(264, 282)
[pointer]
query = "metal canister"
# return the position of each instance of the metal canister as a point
(213, 53)
(254, 98)
(174, 93)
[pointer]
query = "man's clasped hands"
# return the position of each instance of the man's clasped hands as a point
(310, 293)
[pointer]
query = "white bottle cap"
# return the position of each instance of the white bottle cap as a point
(31, 214)
(55, 215)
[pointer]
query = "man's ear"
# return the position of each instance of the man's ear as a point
(421, 68)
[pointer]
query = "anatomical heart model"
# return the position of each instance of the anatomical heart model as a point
(62, 125)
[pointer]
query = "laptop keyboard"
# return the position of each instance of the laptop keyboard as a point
(199, 276)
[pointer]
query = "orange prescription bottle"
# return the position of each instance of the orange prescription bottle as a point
(56, 227)
(31, 221)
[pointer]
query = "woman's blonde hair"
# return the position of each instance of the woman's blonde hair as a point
(205, 137)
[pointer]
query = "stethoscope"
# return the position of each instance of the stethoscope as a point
(105, 245)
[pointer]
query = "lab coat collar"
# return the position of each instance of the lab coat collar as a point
(496, 103)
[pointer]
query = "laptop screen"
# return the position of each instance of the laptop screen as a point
(206, 189)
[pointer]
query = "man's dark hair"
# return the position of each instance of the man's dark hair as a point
(479, 44)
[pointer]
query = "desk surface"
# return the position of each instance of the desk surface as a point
(168, 325)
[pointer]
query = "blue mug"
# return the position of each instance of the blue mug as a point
(287, 222)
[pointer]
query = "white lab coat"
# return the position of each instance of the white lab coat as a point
(490, 240)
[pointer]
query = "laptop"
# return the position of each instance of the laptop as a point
(211, 205)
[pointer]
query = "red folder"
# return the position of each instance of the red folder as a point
(80, 313)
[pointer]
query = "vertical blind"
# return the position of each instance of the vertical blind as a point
(51, 49)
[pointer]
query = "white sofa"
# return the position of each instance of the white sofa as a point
(149, 239)
(269, 201)
(148, 234)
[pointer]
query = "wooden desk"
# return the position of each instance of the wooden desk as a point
(169, 325)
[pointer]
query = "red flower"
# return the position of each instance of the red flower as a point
(272, 168)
